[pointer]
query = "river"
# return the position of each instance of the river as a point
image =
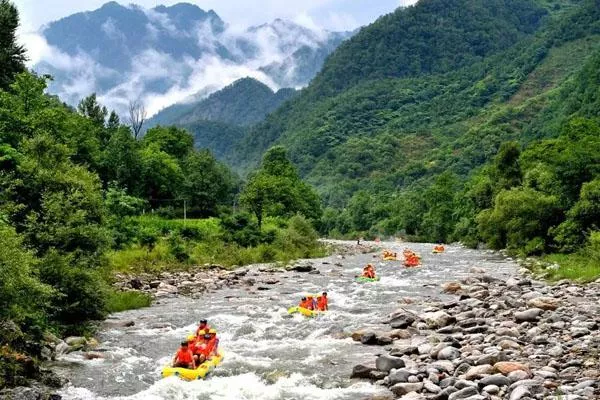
(269, 354)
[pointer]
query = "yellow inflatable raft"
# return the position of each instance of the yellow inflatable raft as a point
(193, 374)
(390, 258)
(304, 311)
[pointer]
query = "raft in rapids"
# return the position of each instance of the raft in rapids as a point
(193, 374)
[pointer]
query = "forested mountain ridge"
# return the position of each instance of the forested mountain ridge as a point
(221, 120)
(245, 102)
(386, 150)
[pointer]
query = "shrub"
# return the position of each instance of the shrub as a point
(117, 301)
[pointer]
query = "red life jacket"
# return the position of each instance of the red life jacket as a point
(185, 356)
(322, 303)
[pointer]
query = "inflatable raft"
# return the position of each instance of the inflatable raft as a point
(304, 311)
(193, 374)
(390, 258)
(363, 279)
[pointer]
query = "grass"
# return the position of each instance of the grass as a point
(577, 267)
(199, 242)
(117, 301)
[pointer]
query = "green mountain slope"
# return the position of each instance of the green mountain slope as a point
(221, 120)
(356, 128)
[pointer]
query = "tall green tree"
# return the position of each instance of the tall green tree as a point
(275, 189)
(174, 141)
(12, 55)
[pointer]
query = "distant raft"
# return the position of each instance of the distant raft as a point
(304, 311)
(194, 374)
(438, 249)
(364, 279)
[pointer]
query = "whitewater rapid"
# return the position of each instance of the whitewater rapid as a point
(269, 354)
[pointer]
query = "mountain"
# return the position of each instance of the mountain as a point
(167, 54)
(243, 103)
(430, 88)
(221, 120)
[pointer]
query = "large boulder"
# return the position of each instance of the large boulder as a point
(362, 371)
(387, 363)
(437, 319)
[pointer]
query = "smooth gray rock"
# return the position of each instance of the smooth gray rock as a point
(528, 315)
(519, 392)
(401, 389)
(387, 363)
(497, 380)
(448, 353)
(464, 393)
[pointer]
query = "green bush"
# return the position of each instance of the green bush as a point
(117, 301)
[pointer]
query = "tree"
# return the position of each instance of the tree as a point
(137, 117)
(161, 175)
(207, 182)
(12, 55)
(174, 141)
(275, 189)
(91, 109)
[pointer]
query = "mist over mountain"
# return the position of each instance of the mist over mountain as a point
(164, 55)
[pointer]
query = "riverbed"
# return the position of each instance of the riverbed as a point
(269, 354)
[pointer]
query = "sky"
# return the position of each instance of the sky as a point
(334, 15)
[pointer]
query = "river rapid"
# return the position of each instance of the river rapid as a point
(269, 354)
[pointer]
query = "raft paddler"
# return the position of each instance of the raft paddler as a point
(203, 326)
(184, 357)
(306, 303)
(369, 271)
(322, 302)
(213, 343)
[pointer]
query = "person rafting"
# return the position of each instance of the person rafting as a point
(322, 302)
(203, 326)
(306, 303)
(412, 261)
(439, 248)
(369, 271)
(213, 342)
(184, 357)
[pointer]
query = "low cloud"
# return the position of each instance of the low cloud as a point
(159, 79)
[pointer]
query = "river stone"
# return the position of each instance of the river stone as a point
(584, 384)
(578, 332)
(451, 287)
(464, 393)
(399, 376)
(431, 387)
(443, 366)
(369, 338)
(506, 367)
(400, 389)
(544, 303)
(479, 371)
(528, 315)
(491, 389)
(387, 363)
(403, 350)
(519, 392)
(437, 319)
(448, 353)
(402, 321)
(518, 375)
(361, 371)
(496, 379)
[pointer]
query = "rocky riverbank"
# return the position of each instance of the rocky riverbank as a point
(491, 339)
(209, 278)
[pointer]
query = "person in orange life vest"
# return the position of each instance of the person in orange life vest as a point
(369, 271)
(213, 342)
(199, 348)
(184, 357)
(322, 302)
(202, 327)
(306, 303)
(311, 302)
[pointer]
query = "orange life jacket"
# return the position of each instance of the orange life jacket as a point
(185, 356)
(200, 328)
(322, 303)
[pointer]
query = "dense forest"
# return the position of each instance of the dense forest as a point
(81, 198)
(454, 121)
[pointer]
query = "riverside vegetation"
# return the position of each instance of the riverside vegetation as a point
(74, 184)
